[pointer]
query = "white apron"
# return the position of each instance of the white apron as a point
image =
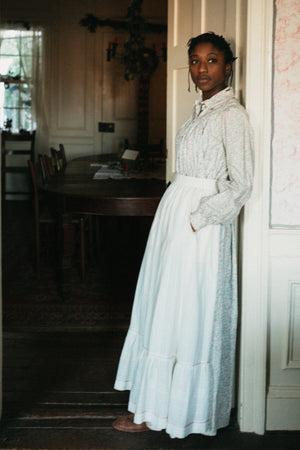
(175, 361)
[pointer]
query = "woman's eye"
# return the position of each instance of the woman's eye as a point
(212, 60)
(194, 61)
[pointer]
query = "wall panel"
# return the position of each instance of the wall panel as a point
(284, 385)
(86, 89)
(183, 22)
(285, 192)
(72, 84)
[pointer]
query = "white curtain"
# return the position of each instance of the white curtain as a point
(30, 46)
(34, 72)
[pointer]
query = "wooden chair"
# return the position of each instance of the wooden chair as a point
(148, 150)
(62, 154)
(59, 158)
(43, 167)
(42, 216)
(16, 149)
(46, 167)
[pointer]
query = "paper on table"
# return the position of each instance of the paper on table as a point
(104, 166)
(107, 173)
(130, 154)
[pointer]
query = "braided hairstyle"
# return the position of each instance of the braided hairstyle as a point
(220, 44)
(216, 40)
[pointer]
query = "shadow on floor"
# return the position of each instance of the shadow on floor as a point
(60, 357)
(58, 394)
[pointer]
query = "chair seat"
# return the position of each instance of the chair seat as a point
(47, 217)
(43, 215)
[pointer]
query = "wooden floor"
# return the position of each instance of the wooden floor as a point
(58, 394)
(58, 381)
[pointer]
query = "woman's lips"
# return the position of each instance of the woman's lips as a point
(203, 79)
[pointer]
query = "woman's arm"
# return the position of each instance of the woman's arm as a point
(223, 207)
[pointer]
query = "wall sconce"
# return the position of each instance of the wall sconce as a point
(112, 49)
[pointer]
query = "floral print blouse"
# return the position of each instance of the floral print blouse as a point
(216, 142)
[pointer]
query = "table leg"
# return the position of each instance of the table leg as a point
(67, 252)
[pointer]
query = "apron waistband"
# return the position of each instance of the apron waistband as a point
(207, 185)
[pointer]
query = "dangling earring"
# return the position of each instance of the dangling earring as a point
(230, 78)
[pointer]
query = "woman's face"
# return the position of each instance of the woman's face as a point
(208, 69)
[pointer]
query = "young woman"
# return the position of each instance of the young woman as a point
(178, 356)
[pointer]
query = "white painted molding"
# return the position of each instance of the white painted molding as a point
(291, 358)
(283, 414)
(1, 335)
(254, 320)
(284, 392)
(284, 243)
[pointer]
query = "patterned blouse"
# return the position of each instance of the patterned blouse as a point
(217, 142)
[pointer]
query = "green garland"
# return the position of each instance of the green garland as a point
(92, 22)
(140, 62)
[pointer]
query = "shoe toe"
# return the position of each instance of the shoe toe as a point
(125, 423)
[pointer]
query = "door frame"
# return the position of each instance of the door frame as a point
(254, 320)
(255, 240)
(1, 334)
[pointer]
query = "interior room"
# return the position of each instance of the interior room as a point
(82, 92)
(88, 130)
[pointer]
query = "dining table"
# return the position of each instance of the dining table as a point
(101, 185)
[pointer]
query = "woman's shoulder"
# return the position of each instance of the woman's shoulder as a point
(233, 104)
(234, 110)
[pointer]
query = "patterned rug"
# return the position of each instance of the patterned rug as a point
(103, 300)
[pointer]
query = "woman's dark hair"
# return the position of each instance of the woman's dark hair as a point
(216, 40)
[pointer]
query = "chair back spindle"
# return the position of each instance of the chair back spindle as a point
(59, 157)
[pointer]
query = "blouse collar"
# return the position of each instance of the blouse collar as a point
(212, 102)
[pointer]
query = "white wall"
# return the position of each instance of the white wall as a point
(286, 140)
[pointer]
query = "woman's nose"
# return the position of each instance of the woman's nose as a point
(202, 66)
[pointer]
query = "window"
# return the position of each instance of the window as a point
(19, 56)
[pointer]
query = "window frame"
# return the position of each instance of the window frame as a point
(22, 112)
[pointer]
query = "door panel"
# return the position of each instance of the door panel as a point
(118, 100)
(283, 399)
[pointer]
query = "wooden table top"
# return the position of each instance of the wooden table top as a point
(75, 189)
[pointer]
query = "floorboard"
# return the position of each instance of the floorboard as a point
(58, 394)
(60, 359)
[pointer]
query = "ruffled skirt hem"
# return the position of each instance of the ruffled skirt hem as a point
(177, 361)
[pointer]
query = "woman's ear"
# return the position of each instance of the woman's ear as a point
(228, 69)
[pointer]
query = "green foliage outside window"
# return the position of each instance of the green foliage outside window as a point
(16, 62)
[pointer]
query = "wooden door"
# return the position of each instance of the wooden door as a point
(186, 19)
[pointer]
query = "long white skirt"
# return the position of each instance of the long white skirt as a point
(178, 356)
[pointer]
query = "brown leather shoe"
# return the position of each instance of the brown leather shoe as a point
(125, 423)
